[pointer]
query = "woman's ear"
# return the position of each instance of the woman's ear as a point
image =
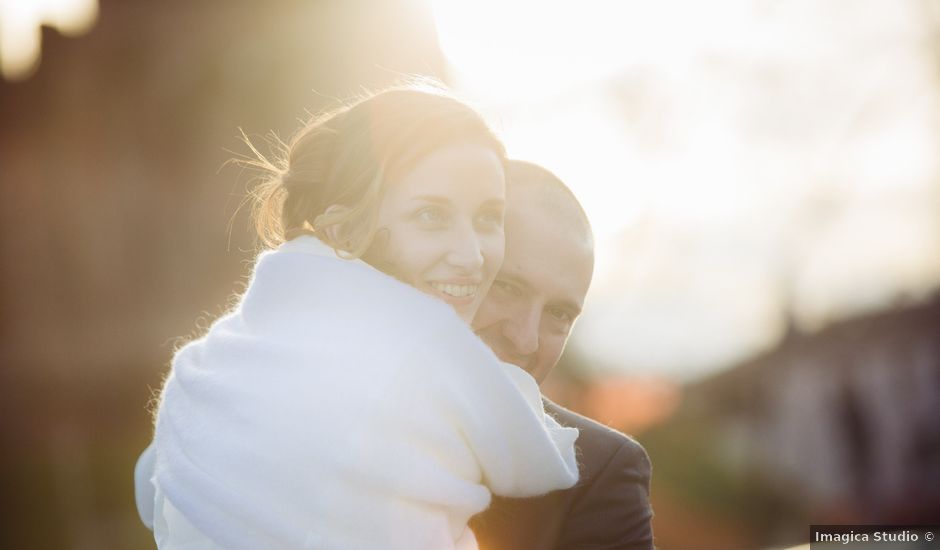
(332, 224)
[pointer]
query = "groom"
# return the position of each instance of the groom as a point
(526, 319)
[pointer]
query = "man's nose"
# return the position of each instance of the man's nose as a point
(465, 250)
(522, 330)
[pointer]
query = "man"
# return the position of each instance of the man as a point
(526, 319)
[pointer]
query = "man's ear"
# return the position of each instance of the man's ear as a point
(332, 224)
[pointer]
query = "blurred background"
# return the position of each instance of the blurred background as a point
(762, 176)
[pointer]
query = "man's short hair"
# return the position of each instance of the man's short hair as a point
(554, 195)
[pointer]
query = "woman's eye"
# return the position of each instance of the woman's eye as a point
(561, 315)
(431, 215)
(491, 218)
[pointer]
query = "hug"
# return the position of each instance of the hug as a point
(376, 385)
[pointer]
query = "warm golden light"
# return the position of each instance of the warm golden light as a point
(770, 153)
(20, 30)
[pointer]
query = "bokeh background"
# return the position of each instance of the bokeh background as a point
(763, 179)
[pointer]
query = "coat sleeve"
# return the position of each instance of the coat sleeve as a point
(521, 452)
(143, 486)
(612, 510)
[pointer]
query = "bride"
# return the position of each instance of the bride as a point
(344, 401)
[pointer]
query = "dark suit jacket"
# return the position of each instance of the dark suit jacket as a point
(608, 508)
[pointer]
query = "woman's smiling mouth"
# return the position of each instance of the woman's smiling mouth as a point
(456, 294)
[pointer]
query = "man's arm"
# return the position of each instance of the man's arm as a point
(612, 509)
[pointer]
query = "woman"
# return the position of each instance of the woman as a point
(334, 406)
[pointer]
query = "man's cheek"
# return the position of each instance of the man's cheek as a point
(487, 316)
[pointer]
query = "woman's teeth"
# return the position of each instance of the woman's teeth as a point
(457, 291)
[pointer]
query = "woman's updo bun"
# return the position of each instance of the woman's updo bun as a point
(328, 180)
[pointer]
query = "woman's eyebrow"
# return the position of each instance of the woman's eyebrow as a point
(437, 199)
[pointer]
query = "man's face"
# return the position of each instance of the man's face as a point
(539, 291)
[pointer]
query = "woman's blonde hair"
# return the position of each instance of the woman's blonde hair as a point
(330, 176)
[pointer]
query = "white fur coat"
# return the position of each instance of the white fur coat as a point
(335, 407)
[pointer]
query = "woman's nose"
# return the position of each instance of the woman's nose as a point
(465, 250)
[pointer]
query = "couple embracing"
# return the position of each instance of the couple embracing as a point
(376, 385)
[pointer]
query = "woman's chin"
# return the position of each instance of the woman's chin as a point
(465, 306)
(467, 315)
(465, 311)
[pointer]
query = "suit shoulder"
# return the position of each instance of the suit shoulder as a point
(598, 444)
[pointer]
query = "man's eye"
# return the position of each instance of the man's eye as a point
(506, 288)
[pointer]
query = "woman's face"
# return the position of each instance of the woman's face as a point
(441, 225)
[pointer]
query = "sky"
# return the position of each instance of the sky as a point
(741, 161)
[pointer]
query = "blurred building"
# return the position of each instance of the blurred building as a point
(844, 419)
(119, 223)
